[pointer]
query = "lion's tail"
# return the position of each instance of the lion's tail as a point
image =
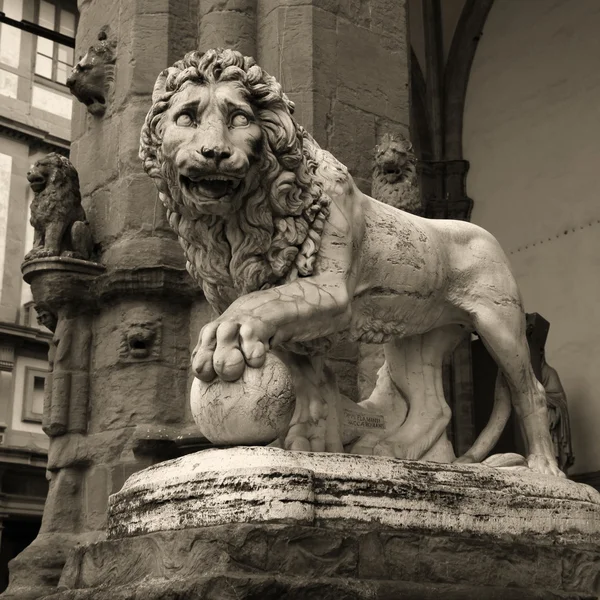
(488, 438)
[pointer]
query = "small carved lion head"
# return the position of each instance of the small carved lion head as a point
(394, 159)
(395, 174)
(92, 76)
(140, 336)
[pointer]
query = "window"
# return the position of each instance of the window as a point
(33, 400)
(10, 37)
(52, 60)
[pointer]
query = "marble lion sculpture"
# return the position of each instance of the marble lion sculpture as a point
(294, 258)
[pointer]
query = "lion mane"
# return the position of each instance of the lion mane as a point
(395, 174)
(60, 199)
(275, 236)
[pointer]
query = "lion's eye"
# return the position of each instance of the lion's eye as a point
(239, 120)
(184, 120)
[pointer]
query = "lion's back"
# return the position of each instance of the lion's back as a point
(476, 263)
(402, 248)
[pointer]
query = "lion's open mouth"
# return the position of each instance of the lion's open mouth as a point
(94, 99)
(210, 186)
(36, 182)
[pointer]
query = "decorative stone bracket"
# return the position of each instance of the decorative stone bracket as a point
(62, 292)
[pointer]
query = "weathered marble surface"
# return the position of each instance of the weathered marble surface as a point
(261, 523)
(268, 485)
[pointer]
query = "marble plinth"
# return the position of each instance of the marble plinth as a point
(266, 523)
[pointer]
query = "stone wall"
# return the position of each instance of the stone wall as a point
(344, 64)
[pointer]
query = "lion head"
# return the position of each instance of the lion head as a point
(140, 335)
(92, 75)
(236, 173)
(395, 174)
(54, 174)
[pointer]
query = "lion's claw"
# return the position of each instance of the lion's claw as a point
(227, 345)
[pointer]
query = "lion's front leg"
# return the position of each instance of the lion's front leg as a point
(295, 312)
(53, 238)
(38, 245)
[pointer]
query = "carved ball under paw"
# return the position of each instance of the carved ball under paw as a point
(255, 409)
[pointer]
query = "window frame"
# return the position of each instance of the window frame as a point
(28, 414)
(59, 6)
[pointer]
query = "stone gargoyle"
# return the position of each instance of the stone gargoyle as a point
(294, 258)
(57, 216)
(92, 77)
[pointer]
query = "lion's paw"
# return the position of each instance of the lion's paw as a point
(227, 345)
(39, 253)
(544, 465)
(72, 254)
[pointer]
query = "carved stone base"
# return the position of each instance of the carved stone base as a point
(250, 523)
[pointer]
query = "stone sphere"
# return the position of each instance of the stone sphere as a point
(255, 409)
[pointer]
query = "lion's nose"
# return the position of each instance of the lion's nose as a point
(216, 153)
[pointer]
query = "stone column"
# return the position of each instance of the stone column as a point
(345, 65)
(227, 24)
(140, 349)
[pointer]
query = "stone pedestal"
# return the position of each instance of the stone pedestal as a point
(266, 523)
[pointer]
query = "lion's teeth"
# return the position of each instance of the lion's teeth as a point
(217, 178)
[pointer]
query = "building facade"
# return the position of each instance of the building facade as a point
(35, 118)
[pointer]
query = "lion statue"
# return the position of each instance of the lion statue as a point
(294, 258)
(395, 174)
(92, 77)
(57, 217)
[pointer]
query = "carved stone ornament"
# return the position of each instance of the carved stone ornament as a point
(295, 258)
(395, 180)
(93, 76)
(141, 334)
(57, 217)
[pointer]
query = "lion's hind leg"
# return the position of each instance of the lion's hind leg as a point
(414, 367)
(314, 426)
(501, 327)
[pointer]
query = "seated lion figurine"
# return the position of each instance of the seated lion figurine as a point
(57, 217)
(294, 257)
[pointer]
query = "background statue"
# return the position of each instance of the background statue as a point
(293, 255)
(558, 410)
(558, 415)
(57, 217)
(395, 179)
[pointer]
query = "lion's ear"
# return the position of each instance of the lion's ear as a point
(160, 87)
